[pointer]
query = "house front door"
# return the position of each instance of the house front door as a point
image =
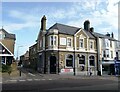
(52, 64)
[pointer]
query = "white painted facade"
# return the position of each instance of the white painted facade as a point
(106, 52)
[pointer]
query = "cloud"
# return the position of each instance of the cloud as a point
(23, 15)
(22, 20)
(11, 27)
(102, 15)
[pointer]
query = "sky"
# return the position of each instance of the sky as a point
(23, 18)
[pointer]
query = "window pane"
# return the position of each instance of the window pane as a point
(51, 40)
(81, 43)
(69, 61)
(111, 54)
(55, 40)
(91, 61)
(91, 45)
(69, 42)
(2, 36)
(107, 53)
(110, 43)
(62, 41)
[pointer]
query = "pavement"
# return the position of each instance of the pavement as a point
(31, 75)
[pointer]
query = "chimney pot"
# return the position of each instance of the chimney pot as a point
(91, 29)
(108, 34)
(112, 35)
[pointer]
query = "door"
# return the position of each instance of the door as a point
(112, 69)
(52, 64)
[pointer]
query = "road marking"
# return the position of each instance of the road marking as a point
(49, 79)
(31, 74)
(12, 80)
(22, 80)
(36, 79)
(43, 79)
(29, 79)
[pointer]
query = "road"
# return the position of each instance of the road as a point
(35, 82)
(66, 84)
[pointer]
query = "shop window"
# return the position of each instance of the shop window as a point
(91, 60)
(69, 60)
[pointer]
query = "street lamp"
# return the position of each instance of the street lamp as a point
(18, 51)
(17, 60)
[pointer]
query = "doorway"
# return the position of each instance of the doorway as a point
(52, 64)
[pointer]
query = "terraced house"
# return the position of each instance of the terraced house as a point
(66, 49)
(7, 42)
(107, 52)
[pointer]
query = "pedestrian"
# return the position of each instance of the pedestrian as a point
(90, 71)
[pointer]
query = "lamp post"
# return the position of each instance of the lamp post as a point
(18, 51)
(17, 59)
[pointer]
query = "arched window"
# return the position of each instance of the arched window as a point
(92, 60)
(69, 60)
(82, 59)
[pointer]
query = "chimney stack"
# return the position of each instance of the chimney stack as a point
(43, 23)
(112, 35)
(87, 25)
(108, 34)
(91, 29)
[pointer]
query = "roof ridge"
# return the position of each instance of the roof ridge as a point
(104, 35)
(4, 30)
(67, 25)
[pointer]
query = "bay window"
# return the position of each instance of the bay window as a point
(53, 40)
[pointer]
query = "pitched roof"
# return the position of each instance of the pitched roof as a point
(65, 29)
(70, 30)
(8, 35)
(102, 36)
(89, 34)
(26, 54)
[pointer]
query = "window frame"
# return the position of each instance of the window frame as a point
(107, 43)
(91, 44)
(111, 54)
(110, 43)
(66, 57)
(82, 58)
(70, 39)
(2, 36)
(64, 39)
(107, 53)
(93, 63)
(53, 40)
(80, 42)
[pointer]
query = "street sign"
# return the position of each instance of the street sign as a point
(117, 67)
